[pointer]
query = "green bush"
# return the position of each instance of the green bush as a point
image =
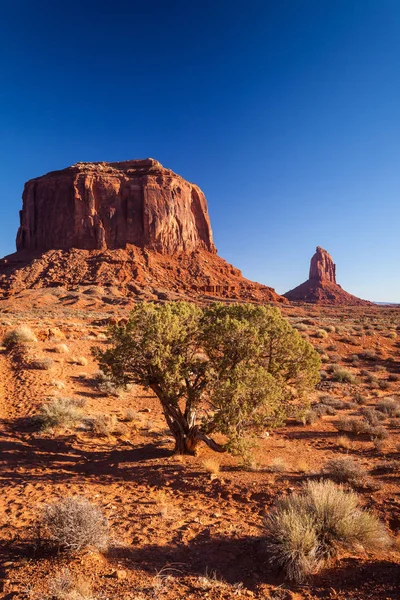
(222, 368)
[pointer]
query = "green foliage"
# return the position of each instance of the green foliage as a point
(224, 368)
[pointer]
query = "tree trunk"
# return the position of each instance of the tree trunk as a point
(186, 443)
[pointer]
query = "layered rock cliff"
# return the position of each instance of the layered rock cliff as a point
(99, 206)
(133, 226)
(322, 267)
(321, 286)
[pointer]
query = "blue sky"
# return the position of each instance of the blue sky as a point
(286, 113)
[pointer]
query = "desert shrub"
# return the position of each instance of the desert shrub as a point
(321, 333)
(41, 364)
(379, 433)
(394, 377)
(305, 530)
(309, 417)
(79, 360)
(106, 385)
(102, 425)
(60, 412)
(243, 365)
(72, 524)
(300, 327)
(344, 442)
(108, 388)
(333, 402)
(345, 470)
(384, 384)
(323, 409)
(389, 406)
(164, 507)
(354, 358)
(360, 399)
(278, 465)
(372, 416)
(20, 335)
(343, 376)
(369, 355)
(353, 425)
(211, 465)
(330, 328)
(66, 586)
(61, 349)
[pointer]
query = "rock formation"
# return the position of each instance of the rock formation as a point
(134, 226)
(322, 267)
(321, 286)
(99, 206)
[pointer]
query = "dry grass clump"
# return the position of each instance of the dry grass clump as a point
(344, 442)
(372, 416)
(61, 349)
(66, 586)
(41, 364)
(103, 425)
(353, 425)
(211, 465)
(389, 406)
(345, 470)
(309, 417)
(72, 524)
(343, 375)
(369, 355)
(60, 412)
(105, 384)
(79, 360)
(278, 465)
(164, 506)
(20, 335)
(321, 333)
(306, 530)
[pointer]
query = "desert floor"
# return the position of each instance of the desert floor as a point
(186, 526)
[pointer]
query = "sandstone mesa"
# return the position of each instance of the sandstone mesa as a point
(133, 225)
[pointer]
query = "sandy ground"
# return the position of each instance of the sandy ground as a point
(178, 531)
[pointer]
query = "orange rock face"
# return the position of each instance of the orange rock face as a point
(132, 226)
(322, 267)
(321, 286)
(99, 206)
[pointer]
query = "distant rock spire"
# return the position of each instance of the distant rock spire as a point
(321, 286)
(322, 266)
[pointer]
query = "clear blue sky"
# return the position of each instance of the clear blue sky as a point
(285, 112)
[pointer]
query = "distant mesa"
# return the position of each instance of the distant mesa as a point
(321, 286)
(132, 225)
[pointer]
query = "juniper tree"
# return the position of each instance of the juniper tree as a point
(222, 369)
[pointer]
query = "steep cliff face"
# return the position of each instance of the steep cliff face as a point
(132, 226)
(322, 267)
(99, 206)
(321, 286)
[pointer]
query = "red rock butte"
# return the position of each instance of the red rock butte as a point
(321, 286)
(133, 225)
